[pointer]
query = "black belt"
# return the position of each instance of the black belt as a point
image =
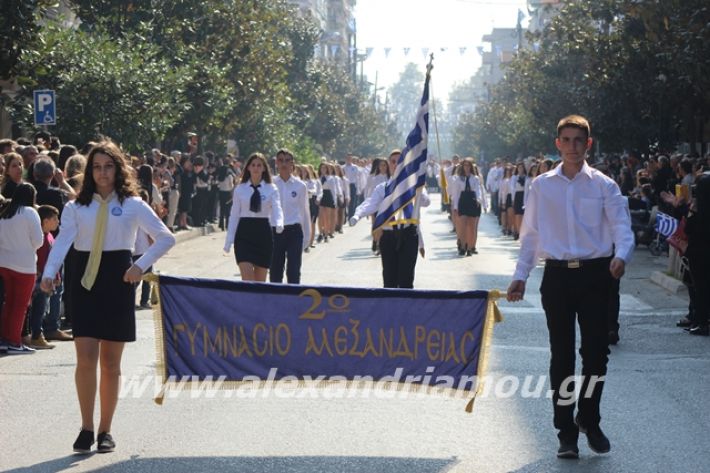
(293, 225)
(577, 263)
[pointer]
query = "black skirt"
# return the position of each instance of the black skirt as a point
(314, 208)
(107, 311)
(327, 199)
(508, 202)
(468, 205)
(518, 202)
(253, 242)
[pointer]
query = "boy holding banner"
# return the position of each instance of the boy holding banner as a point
(577, 220)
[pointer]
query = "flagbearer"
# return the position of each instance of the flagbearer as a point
(399, 242)
(577, 220)
(296, 236)
(102, 225)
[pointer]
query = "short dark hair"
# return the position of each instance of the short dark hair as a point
(574, 121)
(47, 211)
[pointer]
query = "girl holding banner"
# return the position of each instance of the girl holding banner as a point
(102, 224)
(255, 201)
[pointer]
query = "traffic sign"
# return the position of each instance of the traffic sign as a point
(45, 107)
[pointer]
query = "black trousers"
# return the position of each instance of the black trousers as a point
(398, 250)
(288, 250)
(614, 305)
(225, 206)
(199, 206)
(353, 200)
(577, 295)
(494, 203)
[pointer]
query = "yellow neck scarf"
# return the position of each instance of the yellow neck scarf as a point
(92, 266)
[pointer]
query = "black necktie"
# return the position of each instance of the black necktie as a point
(468, 185)
(322, 180)
(255, 202)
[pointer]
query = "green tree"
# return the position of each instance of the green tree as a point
(118, 88)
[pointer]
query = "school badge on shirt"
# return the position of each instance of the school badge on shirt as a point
(117, 211)
(294, 194)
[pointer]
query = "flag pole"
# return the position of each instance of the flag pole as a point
(429, 67)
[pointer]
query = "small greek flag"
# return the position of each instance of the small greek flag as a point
(399, 204)
(665, 224)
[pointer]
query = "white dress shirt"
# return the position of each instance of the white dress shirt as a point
(362, 176)
(459, 185)
(493, 179)
(20, 237)
(372, 204)
(330, 184)
(294, 204)
(314, 189)
(582, 218)
(270, 208)
(352, 173)
(373, 181)
(339, 184)
(124, 220)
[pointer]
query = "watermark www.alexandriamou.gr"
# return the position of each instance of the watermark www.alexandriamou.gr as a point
(339, 387)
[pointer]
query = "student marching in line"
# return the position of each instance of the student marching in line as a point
(326, 211)
(483, 200)
(518, 192)
(379, 173)
(493, 179)
(290, 244)
(315, 194)
(506, 200)
(578, 221)
(343, 197)
(256, 207)
(399, 243)
(102, 224)
(466, 206)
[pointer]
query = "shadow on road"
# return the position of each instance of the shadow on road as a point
(255, 464)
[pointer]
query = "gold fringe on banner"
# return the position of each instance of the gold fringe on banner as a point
(493, 316)
(158, 327)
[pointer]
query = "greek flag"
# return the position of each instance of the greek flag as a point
(410, 173)
(665, 224)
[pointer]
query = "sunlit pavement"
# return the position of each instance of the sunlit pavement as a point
(654, 408)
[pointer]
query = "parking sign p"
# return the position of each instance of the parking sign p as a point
(45, 107)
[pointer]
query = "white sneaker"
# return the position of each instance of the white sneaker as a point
(21, 349)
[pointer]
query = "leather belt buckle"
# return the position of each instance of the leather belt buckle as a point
(573, 264)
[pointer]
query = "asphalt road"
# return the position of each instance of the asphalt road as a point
(655, 405)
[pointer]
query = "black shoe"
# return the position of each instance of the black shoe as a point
(703, 330)
(684, 322)
(596, 439)
(84, 442)
(568, 449)
(462, 252)
(320, 238)
(105, 443)
(468, 253)
(613, 337)
(374, 246)
(474, 251)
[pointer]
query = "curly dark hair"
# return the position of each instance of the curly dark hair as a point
(125, 182)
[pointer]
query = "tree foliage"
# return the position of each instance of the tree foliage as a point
(222, 69)
(636, 68)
